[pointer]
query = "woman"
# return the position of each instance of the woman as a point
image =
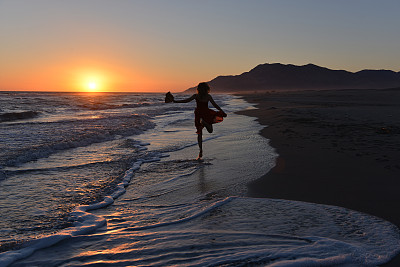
(203, 116)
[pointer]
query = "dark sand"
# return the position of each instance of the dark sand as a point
(339, 148)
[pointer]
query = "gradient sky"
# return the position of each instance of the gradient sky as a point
(166, 45)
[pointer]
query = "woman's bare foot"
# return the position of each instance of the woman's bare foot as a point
(200, 155)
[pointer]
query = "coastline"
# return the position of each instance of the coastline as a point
(335, 147)
(180, 209)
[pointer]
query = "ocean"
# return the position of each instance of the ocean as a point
(110, 179)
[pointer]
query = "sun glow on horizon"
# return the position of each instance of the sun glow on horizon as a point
(93, 84)
(92, 81)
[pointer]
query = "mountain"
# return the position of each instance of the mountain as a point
(278, 76)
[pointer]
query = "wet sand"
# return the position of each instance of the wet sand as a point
(339, 148)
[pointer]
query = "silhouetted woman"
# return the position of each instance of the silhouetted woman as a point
(203, 116)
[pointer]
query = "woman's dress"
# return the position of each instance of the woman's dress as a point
(208, 115)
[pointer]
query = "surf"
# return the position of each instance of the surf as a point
(170, 209)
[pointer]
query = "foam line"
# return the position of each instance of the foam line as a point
(84, 222)
(213, 206)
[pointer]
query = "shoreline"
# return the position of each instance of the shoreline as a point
(335, 147)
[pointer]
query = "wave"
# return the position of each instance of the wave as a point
(104, 106)
(84, 221)
(64, 135)
(233, 231)
(15, 116)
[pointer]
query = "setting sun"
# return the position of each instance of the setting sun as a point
(92, 80)
(92, 85)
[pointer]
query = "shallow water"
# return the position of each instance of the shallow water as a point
(142, 199)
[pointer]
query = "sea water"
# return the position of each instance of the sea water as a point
(111, 179)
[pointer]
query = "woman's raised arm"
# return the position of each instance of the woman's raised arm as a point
(185, 100)
(216, 105)
(213, 103)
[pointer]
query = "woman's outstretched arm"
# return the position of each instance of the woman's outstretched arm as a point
(185, 100)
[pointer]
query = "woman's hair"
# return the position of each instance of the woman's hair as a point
(203, 89)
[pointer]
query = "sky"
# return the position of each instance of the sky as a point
(171, 45)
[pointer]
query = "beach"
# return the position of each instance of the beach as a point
(335, 147)
(114, 180)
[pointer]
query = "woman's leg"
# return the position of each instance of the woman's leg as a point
(200, 143)
(207, 125)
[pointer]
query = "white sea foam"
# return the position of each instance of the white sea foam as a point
(84, 221)
(237, 231)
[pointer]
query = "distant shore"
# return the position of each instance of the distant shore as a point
(338, 147)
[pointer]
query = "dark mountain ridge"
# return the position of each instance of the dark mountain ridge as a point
(278, 76)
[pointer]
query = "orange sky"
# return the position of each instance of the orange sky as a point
(160, 46)
(75, 74)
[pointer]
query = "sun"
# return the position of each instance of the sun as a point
(92, 86)
(91, 81)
